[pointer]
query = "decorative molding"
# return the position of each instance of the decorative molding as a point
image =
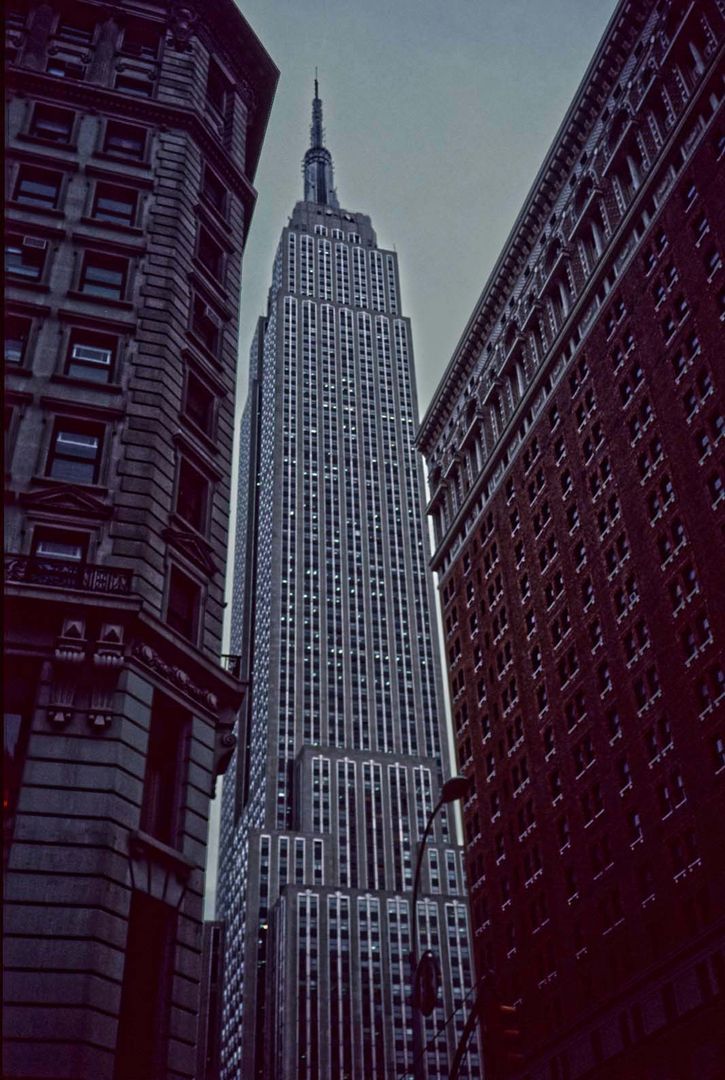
(192, 546)
(175, 675)
(66, 500)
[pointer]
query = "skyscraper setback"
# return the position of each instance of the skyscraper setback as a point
(341, 747)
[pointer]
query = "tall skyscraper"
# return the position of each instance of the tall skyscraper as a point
(134, 132)
(578, 501)
(342, 747)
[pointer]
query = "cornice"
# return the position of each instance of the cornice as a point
(580, 117)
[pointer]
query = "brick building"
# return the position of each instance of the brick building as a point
(574, 448)
(134, 132)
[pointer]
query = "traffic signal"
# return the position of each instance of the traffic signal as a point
(427, 983)
(503, 1046)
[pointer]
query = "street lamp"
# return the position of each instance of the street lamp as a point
(425, 972)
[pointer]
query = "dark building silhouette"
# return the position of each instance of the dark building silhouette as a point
(210, 1007)
(134, 132)
(342, 751)
(574, 449)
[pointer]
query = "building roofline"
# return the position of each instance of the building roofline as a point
(519, 243)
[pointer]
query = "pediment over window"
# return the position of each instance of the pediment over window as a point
(194, 547)
(67, 500)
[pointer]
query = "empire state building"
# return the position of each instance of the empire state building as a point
(341, 750)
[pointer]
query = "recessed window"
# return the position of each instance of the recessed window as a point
(25, 257)
(66, 67)
(115, 204)
(17, 333)
(164, 779)
(78, 30)
(199, 406)
(37, 187)
(217, 87)
(214, 191)
(51, 123)
(206, 325)
(75, 452)
(91, 356)
(103, 275)
(192, 496)
(184, 600)
(142, 39)
(124, 140)
(210, 254)
(59, 544)
(134, 82)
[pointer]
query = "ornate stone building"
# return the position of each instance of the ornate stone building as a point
(574, 449)
(134, 132)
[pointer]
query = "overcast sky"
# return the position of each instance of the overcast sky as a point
(438, 114)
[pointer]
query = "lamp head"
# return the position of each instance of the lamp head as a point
(457, 787)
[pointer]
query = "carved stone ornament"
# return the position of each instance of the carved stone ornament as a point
(226, 742)
(67, 500)
(175, 675)
(182, 25)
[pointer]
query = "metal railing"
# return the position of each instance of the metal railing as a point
(64, 574)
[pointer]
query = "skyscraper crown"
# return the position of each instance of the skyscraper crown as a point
(317, 166)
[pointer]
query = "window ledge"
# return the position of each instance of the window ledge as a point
(102, 301)
(71, 380)
(122, 159)
(32, 208)
(141, 843)
(204, 438)
(40, 140)
(23, 283)
(112, 226)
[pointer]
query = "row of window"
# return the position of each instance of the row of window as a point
(108, 278)
(73, 39)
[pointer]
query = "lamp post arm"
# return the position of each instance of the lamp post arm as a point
(470, 1024)
(416, 880)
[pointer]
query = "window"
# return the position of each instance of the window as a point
(142, 1044)
(66, 66)
(25, 257)
(53, 124)
(210, 254)
(115, 204)
(216, 88)
(104, 275)
(58, 544)
(206, 325)
(124, 140)
(141, 39)
(192, 496)
(163, 796)
(214, 191)
(17, 332)
(75, 452)
(199, 406)
(134, 82)
(184, 601)
(77, 30)
(37, 187)
(91, 356)
(20, 692)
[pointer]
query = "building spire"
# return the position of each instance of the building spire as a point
(317, 166)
